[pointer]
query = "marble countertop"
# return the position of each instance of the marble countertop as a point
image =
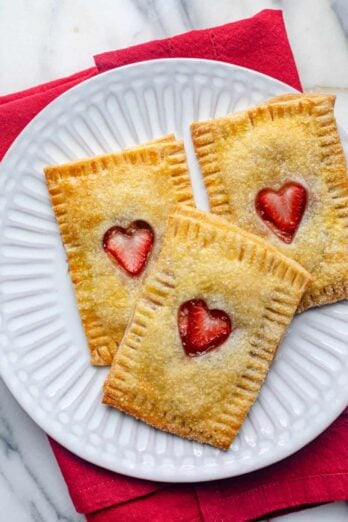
(47, 39)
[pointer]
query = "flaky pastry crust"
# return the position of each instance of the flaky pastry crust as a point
(204, 398)
(92, 195)
(290, 138)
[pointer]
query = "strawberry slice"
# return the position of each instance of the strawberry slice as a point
(282, 210)
(202, 330)
(129, 247)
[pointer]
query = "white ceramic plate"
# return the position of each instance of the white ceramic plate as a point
(43, 353)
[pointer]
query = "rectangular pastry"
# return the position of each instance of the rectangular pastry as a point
(278, 170)
(111, 212)
(205, 329)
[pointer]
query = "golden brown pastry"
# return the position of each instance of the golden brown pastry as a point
(111, 211)
(205, 329)
(278, 170)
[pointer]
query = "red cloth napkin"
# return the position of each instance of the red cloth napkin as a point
(319, 472)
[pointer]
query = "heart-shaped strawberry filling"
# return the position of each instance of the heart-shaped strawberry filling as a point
(129, 247)
(201, 329)
(282, 210)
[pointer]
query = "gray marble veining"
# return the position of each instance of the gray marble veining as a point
(31, 486)
(341, 9)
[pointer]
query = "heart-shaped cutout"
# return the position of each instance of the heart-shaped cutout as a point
(129, 247)
(202, 330)
(282, 210)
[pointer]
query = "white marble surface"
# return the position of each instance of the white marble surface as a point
(43, 39)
